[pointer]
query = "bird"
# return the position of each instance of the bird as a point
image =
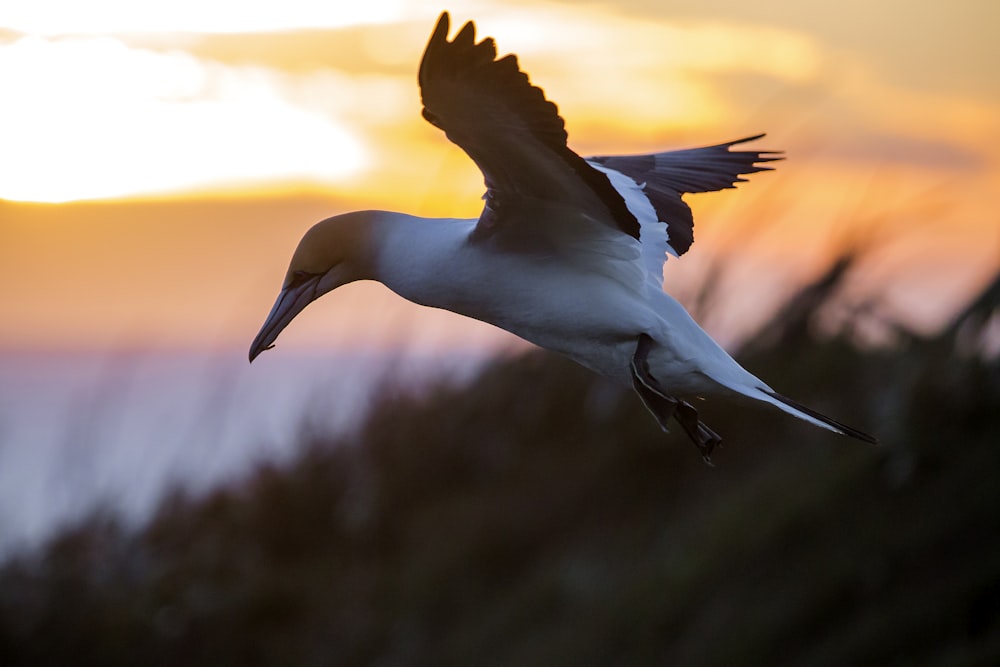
(567, 253)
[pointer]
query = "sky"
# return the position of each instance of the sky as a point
(160, 160)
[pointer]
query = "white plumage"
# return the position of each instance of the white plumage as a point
(568, 252)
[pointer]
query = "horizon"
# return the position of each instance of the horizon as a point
(162, 209)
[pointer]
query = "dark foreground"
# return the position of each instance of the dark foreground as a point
(538, 516)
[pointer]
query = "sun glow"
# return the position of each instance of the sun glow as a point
(91, 117)
(299, 124)
(53, 17)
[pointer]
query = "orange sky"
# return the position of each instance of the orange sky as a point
(158, 166)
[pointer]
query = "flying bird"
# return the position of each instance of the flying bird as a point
(567, 253)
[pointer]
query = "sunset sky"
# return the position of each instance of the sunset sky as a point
(159, 160)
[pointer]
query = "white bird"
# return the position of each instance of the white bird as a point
(567, 253)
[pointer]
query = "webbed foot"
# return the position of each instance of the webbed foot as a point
(663, 407)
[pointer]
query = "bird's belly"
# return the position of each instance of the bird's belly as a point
(593, 322)
(592, 318)
(598, 326)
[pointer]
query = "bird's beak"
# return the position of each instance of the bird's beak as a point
(290, 303)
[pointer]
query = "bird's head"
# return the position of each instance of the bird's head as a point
(334, 252)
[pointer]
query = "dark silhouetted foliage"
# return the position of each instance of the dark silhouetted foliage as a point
(537, 516)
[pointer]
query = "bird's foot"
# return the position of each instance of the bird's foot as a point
(660, 405)
(663, 407)
(704, 438)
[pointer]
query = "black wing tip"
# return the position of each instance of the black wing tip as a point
(762, 156)
(745, 140)
(441, 29)
(466, 36)
(462, 60)
(840, 427)
(467, 33)
(461, 48)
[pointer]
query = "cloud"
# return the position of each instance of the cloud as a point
(887, 148)
(92, 118)
(53, 17)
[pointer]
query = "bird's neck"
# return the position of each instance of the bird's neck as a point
(412, 254)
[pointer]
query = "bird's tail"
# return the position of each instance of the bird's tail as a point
(809, 415)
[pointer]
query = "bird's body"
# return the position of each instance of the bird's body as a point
(550, 301)
(559, 303)
(567, 253)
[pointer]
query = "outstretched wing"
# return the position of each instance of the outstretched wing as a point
(489, 108)
(664, 177)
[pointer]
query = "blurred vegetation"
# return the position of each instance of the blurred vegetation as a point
(537, 516)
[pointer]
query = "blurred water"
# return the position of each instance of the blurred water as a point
(79, 430)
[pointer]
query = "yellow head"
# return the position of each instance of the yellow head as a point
(334, 252)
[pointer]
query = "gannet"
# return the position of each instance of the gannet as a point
(567, 253)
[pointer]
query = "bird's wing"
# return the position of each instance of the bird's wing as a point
(488, 107)
(664, 177)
